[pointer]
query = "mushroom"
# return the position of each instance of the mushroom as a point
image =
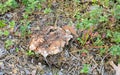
(51, 40)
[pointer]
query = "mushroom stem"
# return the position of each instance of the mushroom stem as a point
(45, 58)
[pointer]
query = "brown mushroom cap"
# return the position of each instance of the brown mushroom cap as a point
(50, 40)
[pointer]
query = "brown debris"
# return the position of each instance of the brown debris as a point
(116, 68)
(51, 40)
(71, 29)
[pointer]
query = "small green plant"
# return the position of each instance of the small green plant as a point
(108, 34)
(17, 49)
(8, 43)
(85, 68)
(105, 3)
(98, 42)
(81, 41)
(25, 16)
(29, 52)
(85, 24)
(77, 15)
(25, 29)
(115, 50)
(116, 37)
(6, 33)
(31, 5)
(47, 10)
(76, 1)
(103, 18)
(9, 4)
(85, 37)
(102, 51)
(2, 23)
(116, 11)
(94, 1)
(92, 18)
(12, 24)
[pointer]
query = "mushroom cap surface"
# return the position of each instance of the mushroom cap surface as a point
(50, 40)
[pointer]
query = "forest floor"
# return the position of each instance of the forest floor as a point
(95, 51)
